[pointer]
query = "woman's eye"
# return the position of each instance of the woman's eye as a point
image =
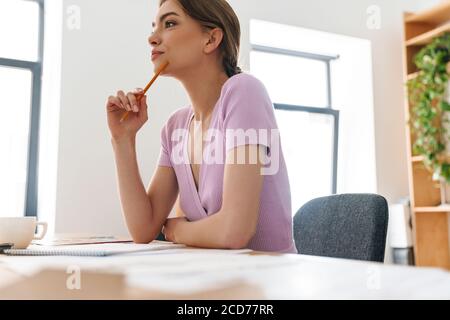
(169, 22)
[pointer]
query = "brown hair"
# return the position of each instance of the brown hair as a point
(217, 14)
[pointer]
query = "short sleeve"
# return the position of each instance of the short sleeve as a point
(248, 114)
(164, 156)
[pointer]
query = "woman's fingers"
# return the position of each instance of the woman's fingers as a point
(139, 94)
(143, 107)
(114, 101)
(133, 101)
(123, 98)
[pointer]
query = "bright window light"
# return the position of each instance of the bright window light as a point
(19, 29)
(304, 81)
(14, 131)
(309, 161)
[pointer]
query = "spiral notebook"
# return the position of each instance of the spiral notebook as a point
(93, 250)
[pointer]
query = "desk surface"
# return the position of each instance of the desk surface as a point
(192, 273)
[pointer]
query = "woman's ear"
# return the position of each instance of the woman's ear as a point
(213, 40)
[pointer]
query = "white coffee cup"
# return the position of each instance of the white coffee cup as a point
(20, 231)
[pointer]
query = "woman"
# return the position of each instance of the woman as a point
(224, 204)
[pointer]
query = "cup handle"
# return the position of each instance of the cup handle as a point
(43, 232)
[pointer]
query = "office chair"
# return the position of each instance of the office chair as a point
(350, 226)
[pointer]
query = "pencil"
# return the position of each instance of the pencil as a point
(161, 69)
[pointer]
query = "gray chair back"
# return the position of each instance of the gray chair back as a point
(350, 226)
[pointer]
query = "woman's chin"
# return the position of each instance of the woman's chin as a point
(157, 64)
(162, 73)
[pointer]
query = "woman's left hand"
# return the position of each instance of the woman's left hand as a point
(170, 228)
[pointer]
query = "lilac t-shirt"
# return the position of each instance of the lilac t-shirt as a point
(243, 115)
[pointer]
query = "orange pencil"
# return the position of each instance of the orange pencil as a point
(161, 69)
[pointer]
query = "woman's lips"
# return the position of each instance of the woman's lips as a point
(156, 55)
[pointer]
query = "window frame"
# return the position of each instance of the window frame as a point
(328, 110)
(35, 67)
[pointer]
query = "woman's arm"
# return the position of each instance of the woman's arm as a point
(235, 224)
(179, 213)
(145, 212)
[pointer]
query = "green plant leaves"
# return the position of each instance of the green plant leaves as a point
(445, 106)
(426, 94)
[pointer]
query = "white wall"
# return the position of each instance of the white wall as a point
(50, 114)
(110, 52)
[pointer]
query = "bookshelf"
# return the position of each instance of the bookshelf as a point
(430, 219)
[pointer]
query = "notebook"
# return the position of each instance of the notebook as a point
(93, 250)
(70, 239)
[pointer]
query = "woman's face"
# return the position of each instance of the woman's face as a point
(179, 37)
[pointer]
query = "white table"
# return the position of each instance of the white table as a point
(204, 274)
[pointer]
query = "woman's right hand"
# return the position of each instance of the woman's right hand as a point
(118, 105)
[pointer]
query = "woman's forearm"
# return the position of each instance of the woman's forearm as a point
(136, 205)
(216, 231)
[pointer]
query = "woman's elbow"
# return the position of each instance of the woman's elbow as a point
(236, 244)
(238, 240)
(143, 238)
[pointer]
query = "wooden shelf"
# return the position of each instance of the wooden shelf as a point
(412, 75)
(437, 15)
(427, 37)
(441, 208)
(430, 220)
(421, 158)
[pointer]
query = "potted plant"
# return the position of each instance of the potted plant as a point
(429, 121)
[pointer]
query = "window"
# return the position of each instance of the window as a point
(308, 125)
(21, 51)
(322, 90)
(305, 77)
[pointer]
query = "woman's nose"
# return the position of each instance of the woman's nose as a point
(153, 39)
